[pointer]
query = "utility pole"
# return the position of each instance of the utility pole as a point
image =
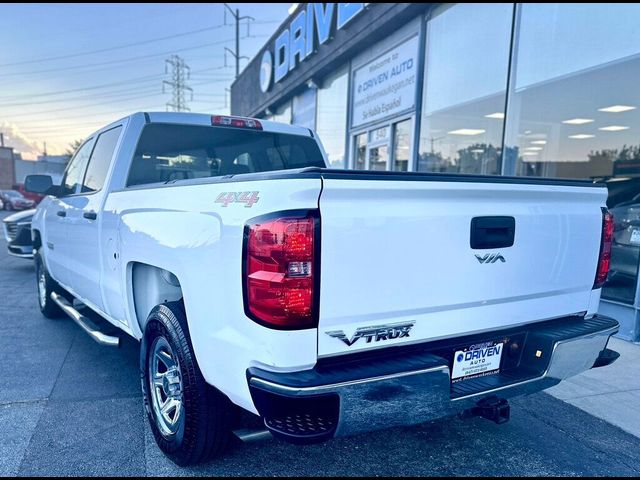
(236, 16)
(180, 73)
(2, 137)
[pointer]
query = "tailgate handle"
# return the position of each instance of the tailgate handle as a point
(492, 232)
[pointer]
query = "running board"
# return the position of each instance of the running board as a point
(86, 324)
(249, 435)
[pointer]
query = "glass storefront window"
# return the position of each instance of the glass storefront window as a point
(331, 116)
(361, 151)
(283, 113)
(304, 109)
(378, 157)
(467, 59)
(402, 146)
(574, 112)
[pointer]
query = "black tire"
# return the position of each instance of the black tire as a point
(47, 306)
(208, 414)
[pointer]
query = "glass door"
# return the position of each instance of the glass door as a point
(384, 147)
(378, 149)
(360, 155)
(402, 145)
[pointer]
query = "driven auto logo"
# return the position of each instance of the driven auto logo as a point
(490, 258)
(375, 334)
(479, 353)
(266, 71)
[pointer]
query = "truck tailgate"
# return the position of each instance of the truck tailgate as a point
(398, 252)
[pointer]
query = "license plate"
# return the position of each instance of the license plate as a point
(635, 236)
(476, 361)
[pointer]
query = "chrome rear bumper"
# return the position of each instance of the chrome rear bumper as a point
(316, 405)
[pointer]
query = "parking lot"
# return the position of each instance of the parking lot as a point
(71, 407)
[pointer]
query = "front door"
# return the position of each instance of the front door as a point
(56, 231)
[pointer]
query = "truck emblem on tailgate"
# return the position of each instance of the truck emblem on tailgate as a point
(375, 334)
(490, 258)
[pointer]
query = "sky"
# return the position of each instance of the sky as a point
(69, 69)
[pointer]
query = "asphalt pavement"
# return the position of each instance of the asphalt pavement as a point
(71, 407)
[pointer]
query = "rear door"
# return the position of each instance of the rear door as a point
(399, 254)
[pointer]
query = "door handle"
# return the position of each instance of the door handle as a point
(90, 215)
(61, 213)
(492, 232)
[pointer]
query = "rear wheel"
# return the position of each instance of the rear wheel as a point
(190, 420)
(46, 285)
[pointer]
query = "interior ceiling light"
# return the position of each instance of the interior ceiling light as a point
(539, 142)
(498, 115)
(614, 128)
(467, 131)
(528, 154)
(581, 136)
(616, 108)
(533, 148)
(578, 121)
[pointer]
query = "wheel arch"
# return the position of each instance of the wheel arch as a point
(36, 238)
(148, 286)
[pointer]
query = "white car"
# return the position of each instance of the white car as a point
(327, 302)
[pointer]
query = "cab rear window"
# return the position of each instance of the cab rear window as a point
(177, 152)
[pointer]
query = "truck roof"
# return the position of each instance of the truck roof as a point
(204, 119)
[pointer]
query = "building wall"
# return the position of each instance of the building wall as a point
(376, 22)
(54, 168)
(7, 170)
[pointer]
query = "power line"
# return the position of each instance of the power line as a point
(144, 79)
(73, 90)
(79, 107)
(109, 49)
(124, 60)
(126, 112)
(128, 91)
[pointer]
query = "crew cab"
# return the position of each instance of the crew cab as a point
(325, 302)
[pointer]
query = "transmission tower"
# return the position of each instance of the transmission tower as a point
(180, 73)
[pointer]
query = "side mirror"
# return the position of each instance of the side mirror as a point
(42, 184)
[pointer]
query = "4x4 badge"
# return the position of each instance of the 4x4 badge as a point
(375, 334)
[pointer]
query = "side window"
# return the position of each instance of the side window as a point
(100, 160)
(76, 168)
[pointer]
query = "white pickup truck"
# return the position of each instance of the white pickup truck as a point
(326, 302)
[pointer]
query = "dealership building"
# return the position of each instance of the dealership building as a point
(509, 89)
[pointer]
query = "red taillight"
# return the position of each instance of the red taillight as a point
(238, 122)
(279, 273)
(604, 260)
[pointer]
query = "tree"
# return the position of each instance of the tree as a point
(73, 146)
